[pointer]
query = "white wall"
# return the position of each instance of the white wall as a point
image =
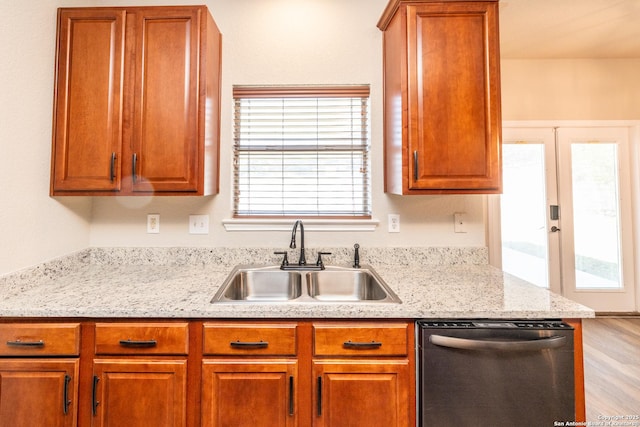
(571, 89)
(292, 42)
(33, 227)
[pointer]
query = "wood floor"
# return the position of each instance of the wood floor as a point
(612, 367)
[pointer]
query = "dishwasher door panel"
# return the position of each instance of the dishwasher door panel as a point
(493, 388)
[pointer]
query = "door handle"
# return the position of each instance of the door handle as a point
(94, 396)
(134, 167)
(554, 229)
(319, 402)
(65, 395)
(471, 344)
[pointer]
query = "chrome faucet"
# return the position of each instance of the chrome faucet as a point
(292, 245)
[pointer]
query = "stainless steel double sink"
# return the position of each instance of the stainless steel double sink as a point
(334, 284)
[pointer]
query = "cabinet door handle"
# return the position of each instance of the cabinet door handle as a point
(112, 169)
(249, 344)
(319, 408)
(19, 343)
(94, 396)
(138, 343)
(291, 401)
(362, 345)
(65, 395)
(134, 167)
(415, 165)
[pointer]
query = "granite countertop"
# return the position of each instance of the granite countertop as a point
(180, 282)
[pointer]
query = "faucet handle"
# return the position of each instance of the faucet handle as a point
(319, 262)
(356, 256)
(285, 260)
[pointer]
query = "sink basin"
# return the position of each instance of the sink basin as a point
(270, 284)
(345, 285)
(261, 285)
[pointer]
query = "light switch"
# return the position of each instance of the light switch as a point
(198, 224)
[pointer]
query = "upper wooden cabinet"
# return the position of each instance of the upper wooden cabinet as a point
(441, 97)
(137, 102)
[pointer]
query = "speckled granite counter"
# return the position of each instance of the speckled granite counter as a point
(180, 282)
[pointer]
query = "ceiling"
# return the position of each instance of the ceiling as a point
(570, 28)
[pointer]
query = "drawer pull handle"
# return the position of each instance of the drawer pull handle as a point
(18, 343)
(249, 344)
(138, 344)
(362, 345)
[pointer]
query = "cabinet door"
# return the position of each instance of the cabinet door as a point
(249, 393)
(366, 393)
(139, 393)
(166, 131)
(38, 392)
(88, 100)
(454, 97)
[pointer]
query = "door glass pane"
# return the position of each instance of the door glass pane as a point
(523, 212)
(596, 214)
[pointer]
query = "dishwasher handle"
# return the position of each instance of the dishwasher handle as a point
(471, 344)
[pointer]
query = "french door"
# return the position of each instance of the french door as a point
(565, 213)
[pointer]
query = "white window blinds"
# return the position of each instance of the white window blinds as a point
(301, 151)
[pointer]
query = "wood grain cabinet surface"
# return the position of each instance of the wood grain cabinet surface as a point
(250, 374)
(321, 373)
(39, 370)
(217, 373)
(139, 374)
(363, 374)
(137, 102)
(442, 114)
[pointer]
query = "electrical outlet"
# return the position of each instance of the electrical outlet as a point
(198, 224)
(394, 223)
(153, 223)
(459, 222)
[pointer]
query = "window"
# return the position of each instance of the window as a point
(301, 152)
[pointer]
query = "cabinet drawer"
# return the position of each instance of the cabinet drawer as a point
(250, 339)
(39, 339)
(347, 339)
(142, 338)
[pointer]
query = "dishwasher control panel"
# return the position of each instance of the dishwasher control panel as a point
(495, 324)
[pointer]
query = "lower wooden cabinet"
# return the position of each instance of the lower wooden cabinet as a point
(139, 393)
(139, 374)
(249, 393)
(362, 393)
(38, 392)
(363, 374)
(321, 373)
(39, 372)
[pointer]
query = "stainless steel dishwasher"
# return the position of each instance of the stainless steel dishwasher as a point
(495, 373)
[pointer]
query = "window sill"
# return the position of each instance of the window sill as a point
(310, 224)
